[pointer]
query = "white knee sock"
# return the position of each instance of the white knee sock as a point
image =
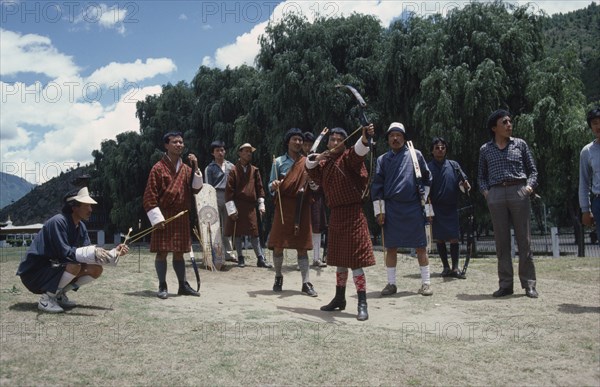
(65, 279)
(316, 241)
(425, 276)
(86, 279)
(391, 274)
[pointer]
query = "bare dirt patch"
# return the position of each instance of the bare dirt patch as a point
(241, 333)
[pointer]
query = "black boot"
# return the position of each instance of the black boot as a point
(362, 306)
(241, 261)
(278, 285)
(262, 263)
(338, 302)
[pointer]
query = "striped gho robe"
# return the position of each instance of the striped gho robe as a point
(171, 191)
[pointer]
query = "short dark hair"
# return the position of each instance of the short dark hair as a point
(171, 134)
(437, 140)
(309, 137)
(339, 131)
(291, 133)
(493, 118)
(68, 205)
(594, 113)
(216, 144)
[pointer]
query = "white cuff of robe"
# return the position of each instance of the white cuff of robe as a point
(155, 216)
(197, 180)
(360, 148)
(86, 254)
(231, 208)
(310, 164)
(379, 207)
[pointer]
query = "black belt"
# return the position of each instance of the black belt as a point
(510, 182)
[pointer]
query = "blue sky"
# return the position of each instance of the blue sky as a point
(71, 71)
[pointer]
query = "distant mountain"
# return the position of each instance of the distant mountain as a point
(12, 188)
(42, 201)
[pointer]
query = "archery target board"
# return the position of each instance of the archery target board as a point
(209, 225)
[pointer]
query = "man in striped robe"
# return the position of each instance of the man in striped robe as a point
(168, 192)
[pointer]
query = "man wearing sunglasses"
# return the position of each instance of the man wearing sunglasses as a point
(507, 177)
(448, 178)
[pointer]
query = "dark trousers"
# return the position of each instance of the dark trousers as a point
(511, 206)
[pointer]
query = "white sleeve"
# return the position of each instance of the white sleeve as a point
(379, 207)
(197, 180)
(86, 254)
(360, 148)
(155, 216)
(310, 164)
(231, 208)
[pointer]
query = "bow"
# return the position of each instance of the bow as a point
(364, 121)
(313, 149)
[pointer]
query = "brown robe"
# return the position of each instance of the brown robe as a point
(244, 188)
(172, 192)
(283, 235)
(344, 178)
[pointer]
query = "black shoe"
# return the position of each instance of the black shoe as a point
(162, 291)
(363, 313)
(308, 289)
(502, 292)
(338, 302)
(186, 290)
(278, 285)
(531, 292)
(446, 272)
(262, 263)
(241, 262)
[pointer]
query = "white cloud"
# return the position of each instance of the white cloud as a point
(132, 72)
(183, 16)
(108, 17)
(32, 53)
(246, 47)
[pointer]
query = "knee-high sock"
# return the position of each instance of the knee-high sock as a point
(391, 275)
(65, 279)
(278, 263)
(441, 248)
(316, 241)
(255, 242)
(425, 276)
(179, 267)
(304, 268)
(360, 281)
(86, 279)
(341, 276)
(238, 245)
(454, 255)
(161, 270)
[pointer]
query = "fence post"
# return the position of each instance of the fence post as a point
(512, 244)
(555, 246)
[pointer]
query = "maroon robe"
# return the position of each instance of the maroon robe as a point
(344, 178)
(244, 188)
(284, 235)
(172, 192)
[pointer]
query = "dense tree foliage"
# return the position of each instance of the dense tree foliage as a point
(438, 75)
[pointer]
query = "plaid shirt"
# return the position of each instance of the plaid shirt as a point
(514, 162)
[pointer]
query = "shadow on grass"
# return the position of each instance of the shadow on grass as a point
(578, 309)
(487, 296)
(400, 294)
(316, 312)
(282, 294)
(143, 293)
(32, 307)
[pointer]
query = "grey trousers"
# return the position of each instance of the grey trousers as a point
(511, 206)
(224, 218)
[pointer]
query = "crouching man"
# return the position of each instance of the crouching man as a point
(61, 257)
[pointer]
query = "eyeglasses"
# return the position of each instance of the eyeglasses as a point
(506, 121)
(439, 147)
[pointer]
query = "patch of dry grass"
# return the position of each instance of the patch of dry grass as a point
(241, 333)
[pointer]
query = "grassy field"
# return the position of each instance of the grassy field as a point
(241, 333)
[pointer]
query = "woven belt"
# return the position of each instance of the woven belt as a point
(511, 182)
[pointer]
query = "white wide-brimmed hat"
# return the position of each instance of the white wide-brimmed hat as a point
(82, 196)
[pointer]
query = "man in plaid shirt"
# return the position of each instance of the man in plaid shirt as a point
(507, 177)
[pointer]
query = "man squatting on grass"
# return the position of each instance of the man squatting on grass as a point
(344, 178)
(62, 258)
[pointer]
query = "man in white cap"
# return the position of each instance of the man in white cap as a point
(244, 191)
(397, 195)
(61, 257)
